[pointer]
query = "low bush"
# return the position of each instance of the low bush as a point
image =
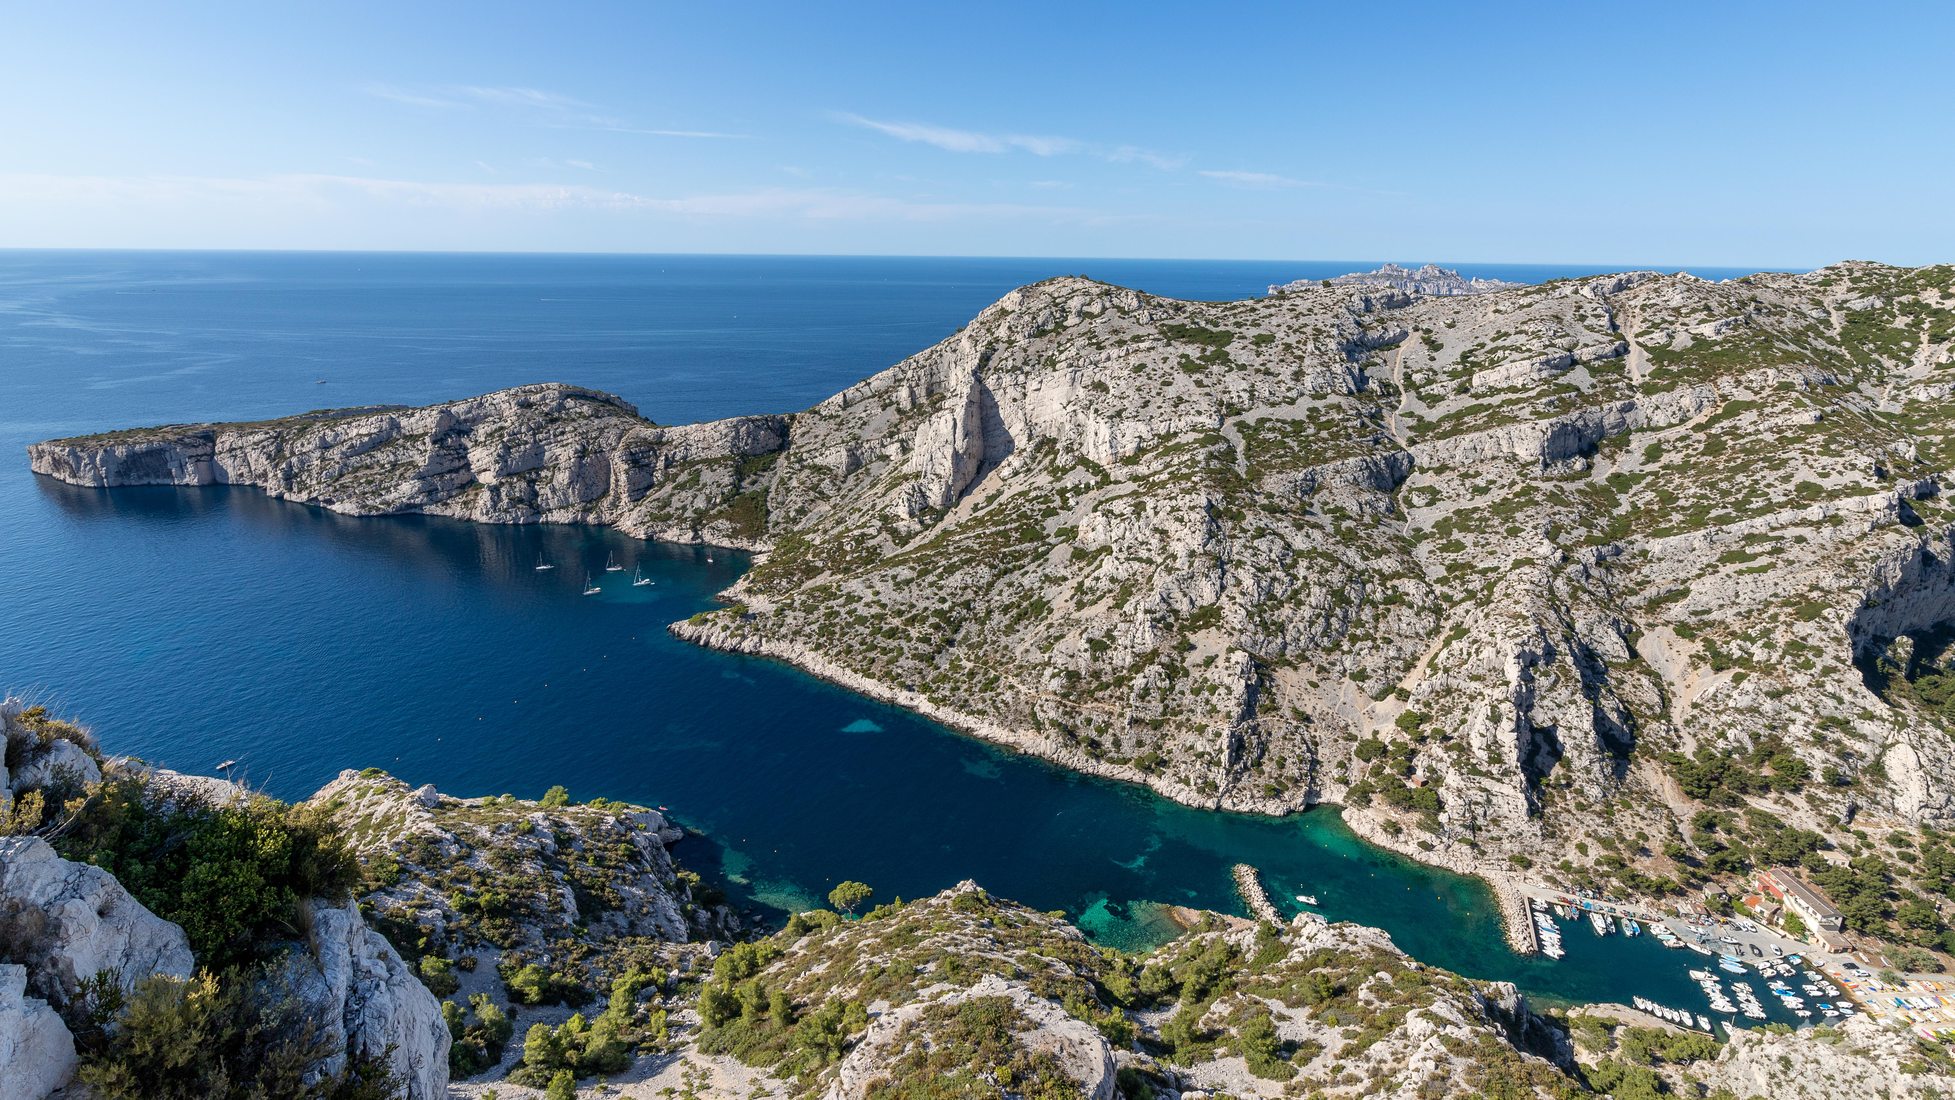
(234, 877)
(238, 1036)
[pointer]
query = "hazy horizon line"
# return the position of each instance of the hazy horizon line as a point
(625, 253)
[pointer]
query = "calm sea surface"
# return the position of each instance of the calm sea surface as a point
(191, 627)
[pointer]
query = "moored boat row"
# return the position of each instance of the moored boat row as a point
(1675, 1015)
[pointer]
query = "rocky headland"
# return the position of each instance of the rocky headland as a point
(1647, 572)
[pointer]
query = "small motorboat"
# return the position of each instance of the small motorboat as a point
(227, 765)
(1307, 899)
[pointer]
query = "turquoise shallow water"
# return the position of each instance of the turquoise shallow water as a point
(190, 627)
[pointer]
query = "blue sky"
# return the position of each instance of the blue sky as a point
(1746, 134)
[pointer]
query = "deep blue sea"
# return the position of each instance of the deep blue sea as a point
(191, 627)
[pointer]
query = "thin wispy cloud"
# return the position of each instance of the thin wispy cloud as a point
(1260, 181)
(552, 162)
(1270, 181)
(1133, 154)
(547, 108)
(312, 192)
(964, 141)
(612, 127)
(410, 98)
(519, 97)
(953, 140)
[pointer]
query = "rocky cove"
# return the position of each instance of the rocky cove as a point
(1571, 666)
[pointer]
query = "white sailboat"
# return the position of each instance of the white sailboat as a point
(589, 588)
(638, 578)
(611, 564)
(542, 565)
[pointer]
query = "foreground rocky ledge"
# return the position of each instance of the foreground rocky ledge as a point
(516, 910)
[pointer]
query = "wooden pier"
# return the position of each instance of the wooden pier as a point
(1250, 885)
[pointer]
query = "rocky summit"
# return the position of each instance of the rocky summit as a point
(1509, 572)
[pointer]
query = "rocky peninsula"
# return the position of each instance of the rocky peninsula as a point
(1645, 572)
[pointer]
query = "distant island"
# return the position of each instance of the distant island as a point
(1430, 279)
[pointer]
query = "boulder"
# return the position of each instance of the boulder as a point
(366, 1000)
(37, 1055)
(69, 921)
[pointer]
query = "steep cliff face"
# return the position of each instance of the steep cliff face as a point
(1490, 563)
(533, 454)
(367, 1002)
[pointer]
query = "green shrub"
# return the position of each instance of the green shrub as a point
(531, 984)
(234, 877)
(241, 1036)
(480, 1033)
(438, 974)
(580, 1047)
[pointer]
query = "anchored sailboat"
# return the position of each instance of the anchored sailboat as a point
(589, 588)
(541, 565)
(638, 578)
(611, 564)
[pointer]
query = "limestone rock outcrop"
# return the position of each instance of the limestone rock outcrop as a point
(534, 454)
(37, 1053)
(367, 1001)
(1856, 1058)
(1071, 1047)
(69, 921)
(589, 873)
